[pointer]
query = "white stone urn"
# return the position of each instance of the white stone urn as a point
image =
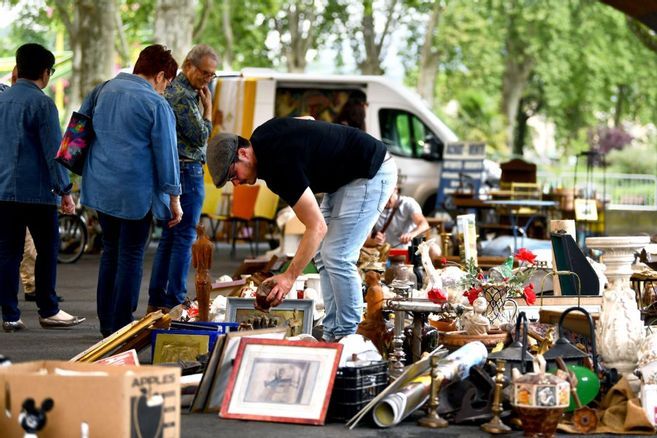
(620, 331)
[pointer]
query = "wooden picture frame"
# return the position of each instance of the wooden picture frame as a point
(224, 366)
(281, 381)
(295, 315)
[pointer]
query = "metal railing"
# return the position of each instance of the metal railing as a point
(622, 191)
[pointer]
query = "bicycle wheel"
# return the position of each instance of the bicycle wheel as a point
(72, 238)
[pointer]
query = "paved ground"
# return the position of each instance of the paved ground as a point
(77, 284)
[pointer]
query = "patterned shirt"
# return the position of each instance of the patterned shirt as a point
(192, 129)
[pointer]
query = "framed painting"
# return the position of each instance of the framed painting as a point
(295, 315)
(281, 381)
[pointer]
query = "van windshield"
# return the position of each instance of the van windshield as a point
(406, 135)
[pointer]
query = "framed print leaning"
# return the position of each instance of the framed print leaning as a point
(296, 315)
(281, 381)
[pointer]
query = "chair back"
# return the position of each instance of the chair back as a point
(212, 201)
(243, 204)
(266, 203)
(517, 170)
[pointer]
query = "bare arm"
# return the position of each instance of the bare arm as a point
(309, 214)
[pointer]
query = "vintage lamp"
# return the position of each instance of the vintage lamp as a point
(516, 354)
(564, 349)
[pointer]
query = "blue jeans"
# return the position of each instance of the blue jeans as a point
(41, 220)
(168, 285)
(350, 213)
(121, 268)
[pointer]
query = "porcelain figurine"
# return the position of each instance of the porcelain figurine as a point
(620, 331)
(474, 322)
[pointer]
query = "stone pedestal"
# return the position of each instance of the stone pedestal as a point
(619, 331)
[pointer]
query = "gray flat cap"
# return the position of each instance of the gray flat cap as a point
(222, 149)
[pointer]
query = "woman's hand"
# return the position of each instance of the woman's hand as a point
(176, 210)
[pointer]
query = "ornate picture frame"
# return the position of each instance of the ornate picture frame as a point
(281, 381)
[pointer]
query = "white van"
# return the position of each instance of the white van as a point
(413, 134)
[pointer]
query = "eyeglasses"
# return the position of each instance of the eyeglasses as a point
(52, 71)
(205, 73)
(232, 170)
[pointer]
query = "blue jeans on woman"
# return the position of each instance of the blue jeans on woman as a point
(350, 213)
(41, 219)
(121, 268)
(168, 285)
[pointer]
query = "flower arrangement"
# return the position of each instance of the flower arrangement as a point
(515, 280)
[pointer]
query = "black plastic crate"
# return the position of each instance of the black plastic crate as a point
(354, 387)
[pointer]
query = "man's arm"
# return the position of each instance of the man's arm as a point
(310, 215)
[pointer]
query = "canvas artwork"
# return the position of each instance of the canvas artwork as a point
(281, 381)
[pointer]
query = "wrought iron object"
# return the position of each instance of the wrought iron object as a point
(516, 355)
(571, 354)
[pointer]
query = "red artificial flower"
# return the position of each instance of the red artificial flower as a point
(472, 294)
(443, 261)
(530, 295)
(437, 296)
(524, 255)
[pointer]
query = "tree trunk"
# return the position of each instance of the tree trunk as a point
(227, 57)
(299, 17)
(371, 63)
(174, 25)
(91, 28)
(517, 70)
(429, 57)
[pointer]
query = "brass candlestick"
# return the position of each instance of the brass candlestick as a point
(495, 425)
(432, 419)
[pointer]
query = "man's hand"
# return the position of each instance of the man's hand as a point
(406, 238)
(206, 101)
(379, 238)
(68, 205)
(176, 210)
(284, 283)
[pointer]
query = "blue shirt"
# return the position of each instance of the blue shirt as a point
(29, 123)
(193, 130)
(132, 166)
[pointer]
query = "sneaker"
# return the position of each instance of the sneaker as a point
(13, 326)
(60, 319)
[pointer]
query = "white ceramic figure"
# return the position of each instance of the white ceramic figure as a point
(432, 278)
(619, 332)
(474, 322)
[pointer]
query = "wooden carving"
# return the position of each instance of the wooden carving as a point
(202, 262)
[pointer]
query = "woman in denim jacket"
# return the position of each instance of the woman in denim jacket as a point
(131, 174)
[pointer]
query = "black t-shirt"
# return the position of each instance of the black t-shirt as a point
(294, 154)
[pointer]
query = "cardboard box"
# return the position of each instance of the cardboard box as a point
(113, 401)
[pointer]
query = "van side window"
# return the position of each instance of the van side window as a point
(406, 135)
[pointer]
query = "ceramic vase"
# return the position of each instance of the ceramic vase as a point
(497, 296)
(619, 331)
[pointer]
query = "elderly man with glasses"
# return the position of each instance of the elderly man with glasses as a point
(191, 100)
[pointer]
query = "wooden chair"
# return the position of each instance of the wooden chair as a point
(241, 213)
(517, 170)
(266, 205)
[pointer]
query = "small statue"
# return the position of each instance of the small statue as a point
(474, 322)
(202, 262)
(373, 327)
